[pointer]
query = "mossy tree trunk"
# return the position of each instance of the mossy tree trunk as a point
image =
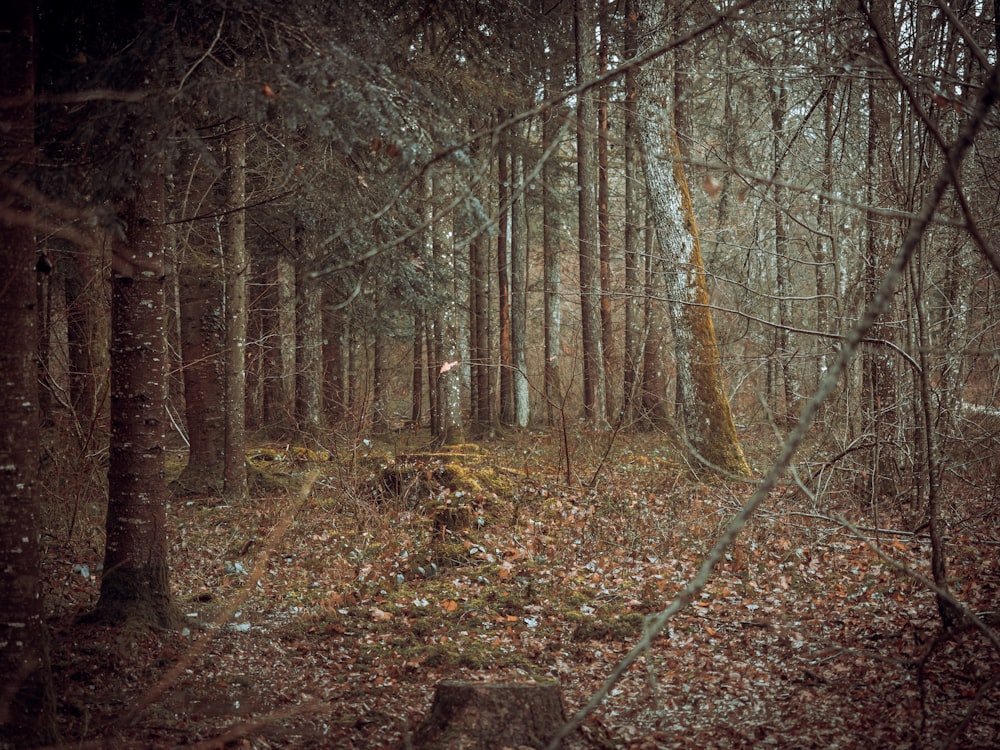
(705, 412)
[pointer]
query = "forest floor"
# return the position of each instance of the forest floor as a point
(325, 619)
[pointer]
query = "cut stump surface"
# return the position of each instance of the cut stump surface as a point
(490, 716)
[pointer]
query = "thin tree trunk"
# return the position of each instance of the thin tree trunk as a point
(634, 220)
(417, 371)
(449, 428)
(604, 220)
(278, 328)
(334, 357)
(380, 384)
(237, 264)
(503, 290)
(518, 295)
(594, 396)
(551, 270)
(480, 324)
(880, 409)
(308, 344)
(779, 102)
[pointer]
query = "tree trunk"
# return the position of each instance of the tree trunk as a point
(334, 357)
(479, 296)
(86, 324)
(309, 344)
(634, 220)
(604, 220)
(594, 396)
(880, 410)
(135, 583)
(782, 263)
(655, 413)
(551, 270)
(278, 329)
(202, 342)
(706, 415)
(417, 371)
(518, 295)
(449, 428)
(491, 716)
(27, 698)
(237, 264)
(503, 289)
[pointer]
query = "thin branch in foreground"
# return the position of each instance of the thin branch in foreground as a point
(887, 288)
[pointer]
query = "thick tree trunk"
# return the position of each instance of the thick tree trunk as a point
(594, 395)
(135, 583)
(706, 415)
(27, 699)
(237, 264)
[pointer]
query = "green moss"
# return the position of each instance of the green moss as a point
(619, 628)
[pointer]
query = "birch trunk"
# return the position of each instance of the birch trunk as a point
(705, 412)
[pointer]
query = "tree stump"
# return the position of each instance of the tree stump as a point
(489, 716)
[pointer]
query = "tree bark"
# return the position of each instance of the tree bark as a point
(706, 415)
(449, 427)
(308, 343)
(594, 395)
(880, 409)
(27, 698)
(503, 289)
(604, 220)
(491, 716)
(237, 264)
(202, 343)
(634, 221)
(551, 270)
(782, 263)
(518, 295)
(135, 583)
(278, 331)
